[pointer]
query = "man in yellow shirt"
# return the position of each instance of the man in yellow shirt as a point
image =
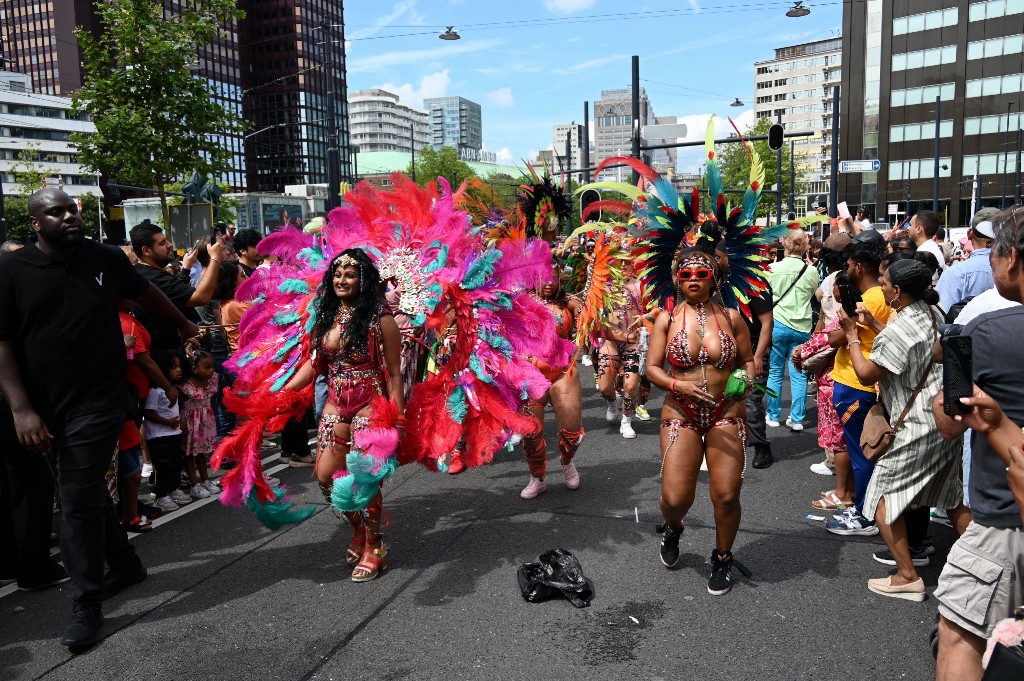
(851, 398)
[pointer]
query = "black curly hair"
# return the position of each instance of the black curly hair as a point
(532, 197)
(367, 308)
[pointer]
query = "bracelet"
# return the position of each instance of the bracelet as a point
(852, 342)
(672, 387)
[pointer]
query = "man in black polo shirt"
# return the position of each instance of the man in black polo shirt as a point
(154, 251)
(62, 368)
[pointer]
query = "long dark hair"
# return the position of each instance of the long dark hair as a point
(364, 313)
(227, 276)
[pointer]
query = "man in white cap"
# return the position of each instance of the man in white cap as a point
(974, 275)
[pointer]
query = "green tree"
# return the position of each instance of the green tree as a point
(29, 170)
(735, 165)
(19, 228)
(156, 120)
(445, 163)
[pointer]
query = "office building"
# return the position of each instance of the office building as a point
(613, 115)
(380, 122)
(573, 134)
(796, 88)
(455, 122)
(269, 69)
(662, 160)
(37, 126)
(912, 67)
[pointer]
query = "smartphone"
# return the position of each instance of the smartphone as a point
(957, 375)
(843, 210)
(849, 296)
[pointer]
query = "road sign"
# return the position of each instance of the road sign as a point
(51, 182)
(893, 208)
(664, 131)
(868, 166)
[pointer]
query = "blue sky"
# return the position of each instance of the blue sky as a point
(532, 63)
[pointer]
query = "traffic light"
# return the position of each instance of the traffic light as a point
(586, 198)
(775, 137)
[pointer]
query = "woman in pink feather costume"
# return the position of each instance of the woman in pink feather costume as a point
(357, 345)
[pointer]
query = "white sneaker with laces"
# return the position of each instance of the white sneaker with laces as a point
(771, 424)
(572, 476)
(211, 487)
(180, 498)
(611, 414)
(166, 504)
(821, 469)
(626, 428)
(642, 413)
(147, 470)
(199, 492)
(795, 427)
(533, 488)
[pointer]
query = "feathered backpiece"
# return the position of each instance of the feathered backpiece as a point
(603, 291)
(477, 397)
(541, 199)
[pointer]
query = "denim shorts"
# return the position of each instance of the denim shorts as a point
(129, 462)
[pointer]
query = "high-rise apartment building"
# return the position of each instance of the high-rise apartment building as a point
(380, 122)
(455, 122)
(925, 68)
(572, 133)
(796, 88)
(613, 129)
(270, 69)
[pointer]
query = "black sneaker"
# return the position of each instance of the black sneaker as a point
(919, 557)
(83, 632)
(762, 456)
(721, 573)
(51, 575)
(115, 582)
(669, 545)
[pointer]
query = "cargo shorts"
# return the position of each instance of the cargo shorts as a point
(983, 579)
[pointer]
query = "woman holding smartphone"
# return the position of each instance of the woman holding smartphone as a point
(920, 470)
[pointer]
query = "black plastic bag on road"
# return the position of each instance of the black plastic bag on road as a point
(556, 572)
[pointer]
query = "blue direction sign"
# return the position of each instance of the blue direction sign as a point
(866, 166)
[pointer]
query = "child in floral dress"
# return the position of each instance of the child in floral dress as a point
(199, 423)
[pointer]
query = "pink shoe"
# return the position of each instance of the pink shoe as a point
(535, 487)
(572, 476)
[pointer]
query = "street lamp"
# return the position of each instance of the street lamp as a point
(737, 102)
(798, 10)
(449, 34)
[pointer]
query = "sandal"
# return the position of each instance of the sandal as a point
(373, 564)
(831, 503)
(358, 545)
(138, 524)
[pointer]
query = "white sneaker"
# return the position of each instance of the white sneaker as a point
(147, 470)
(572, 476)
(795, 427)
(626, 429)
(166, 504)
(586, 361)
(199, 492)
(770, 423)
(611, 414)
(533, 488)
(180, 498)
(211, 487)
(821, 469)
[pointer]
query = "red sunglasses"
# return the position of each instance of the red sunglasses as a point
(700, 273)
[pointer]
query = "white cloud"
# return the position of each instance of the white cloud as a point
(501, 97)
(504, 155)
(590, 64)
(691, 159)
(696, 6)
(568, 6)
(431, 85)
(380, 62)
(403, 10)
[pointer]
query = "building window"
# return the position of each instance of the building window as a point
(911, 132)
(981, 49)
(917, 169)
(919, 95)
(986, 87)
(984, 125)
(923, 22)
(923, 58)
(989, 164)
(993, 9)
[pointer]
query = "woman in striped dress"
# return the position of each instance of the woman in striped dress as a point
(921, 469)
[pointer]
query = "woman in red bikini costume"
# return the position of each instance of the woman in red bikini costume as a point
(565, 395)
(703, 343)
(357, 346)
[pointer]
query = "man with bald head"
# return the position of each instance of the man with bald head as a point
(62, 368)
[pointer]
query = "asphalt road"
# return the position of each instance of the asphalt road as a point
(230, 600)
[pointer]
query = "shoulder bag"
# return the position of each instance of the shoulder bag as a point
(878, 435)
(795, 282)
